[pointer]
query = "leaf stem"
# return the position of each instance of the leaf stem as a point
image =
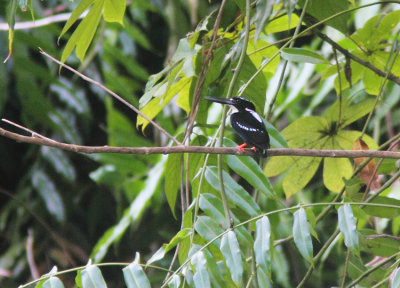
(224, 114)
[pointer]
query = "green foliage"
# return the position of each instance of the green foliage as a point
(105, 207)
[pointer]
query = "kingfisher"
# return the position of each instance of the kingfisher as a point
(247, 123)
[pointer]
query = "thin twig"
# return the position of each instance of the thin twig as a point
(372, 269)
(346, 265)
(31, 255)
(363, 62)
(62, 17)
(296, 32)
(115, 95)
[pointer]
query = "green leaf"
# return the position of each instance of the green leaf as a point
(324, 9)
(92, 277)
(134, 275)
(114, 10)
(262, 245)
(248, 168)
(231, 251)
(82, 6)
(283, 23)
(208, 229)
(49, 194)
(217, 276)
(201, 277)
(175, 282)
(335, 169)
(378, 244)
(302, 236)
(179, 237)
(234, 192)
(302, 55)
(347, 225)
(276, 138)
(350, 112)
(83, 35)
(59, 161)
(53, 282)
(213, 207)
(260, 19)
(396, 279)
(131, 215)
(381, 212)
(155, 106)
(172, 182)
(301, 172)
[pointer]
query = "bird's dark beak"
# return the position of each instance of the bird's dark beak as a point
(219, 100)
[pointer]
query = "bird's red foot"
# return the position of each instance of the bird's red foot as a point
(241, 147)
(254, 148)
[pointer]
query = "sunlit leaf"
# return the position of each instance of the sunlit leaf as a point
(114, 10)
(231, 251)
(50, 196)
(53, 282)
(262, 245)
(347, 225)
(92, 277)
(302, 55)
(201, 277)
(234, 192)
(134, 275)
(301, 235)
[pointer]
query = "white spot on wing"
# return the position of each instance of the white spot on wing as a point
(255, 115)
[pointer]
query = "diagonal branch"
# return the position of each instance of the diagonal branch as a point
(112, 93)
(353, 57)
(41, 140)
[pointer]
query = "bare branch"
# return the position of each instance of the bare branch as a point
(62, 17)
(197, 149)
(112, 93)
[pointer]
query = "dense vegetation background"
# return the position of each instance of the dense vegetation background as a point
(324, 74)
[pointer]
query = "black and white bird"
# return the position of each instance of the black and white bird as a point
(247, 123)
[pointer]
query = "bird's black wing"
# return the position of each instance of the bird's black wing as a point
(251, 128)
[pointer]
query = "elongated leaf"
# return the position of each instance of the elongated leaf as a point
(83, 35)
(263, 12)
(48, 191)
(82, 6)
(213, 207)
(134, 275)
(208, 229)
(335, 169)
(276, 138)
(248, 168)
(172, 182)
(200, 277)
(378, 244)
(215, 273)
(175, 282)
(262, 245)
(114, 10)
(92, 277)
(234, 192)
(302, 55)
(53, 282)
(301, 235)
(324, 9)
(231, 251)
(347, 225)
(396, 279)
(132, 214)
